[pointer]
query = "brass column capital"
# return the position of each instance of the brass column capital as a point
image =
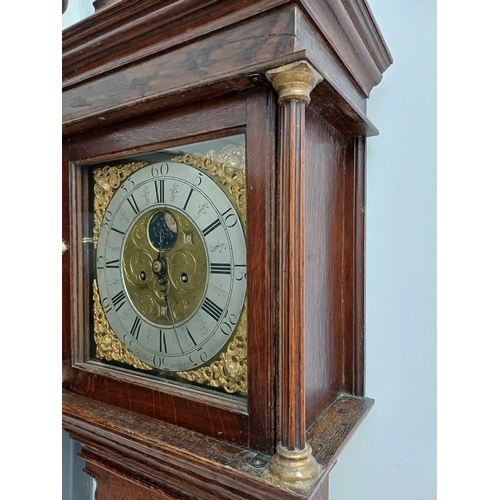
(294, 81)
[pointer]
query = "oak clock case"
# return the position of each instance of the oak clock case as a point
(264, 408)
(169, 265)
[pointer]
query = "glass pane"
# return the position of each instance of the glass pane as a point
(168, 273)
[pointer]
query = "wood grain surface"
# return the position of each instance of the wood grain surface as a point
(354, 269)
(143, 75)
(248, 422)
(66, 271)
(323, 234)
(135, 58)
(291, 238)
(187, 464)
(261, 261)
(105, 41)
(167, 129)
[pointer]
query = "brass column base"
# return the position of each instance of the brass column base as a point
(293, 469)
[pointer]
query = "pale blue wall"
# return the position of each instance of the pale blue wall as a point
(76, 485)
(77, 10)
(392, 456)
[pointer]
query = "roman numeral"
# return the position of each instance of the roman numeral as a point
(190, 336)
(188, 198)
(113, 264)
(117, 231)
(220, 268)
(215, 224)
(106, 305)
(160, 191)
(163, 342)
(136, 328)
(212, 309)
(118, 300)
(133, 204)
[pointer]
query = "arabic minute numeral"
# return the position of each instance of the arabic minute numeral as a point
(108, 216)
(106, 304)
(127, 186)
(157, 361)
(239, 274)
(227, 326)
(230, 219)
(161, 170)
(197, 179)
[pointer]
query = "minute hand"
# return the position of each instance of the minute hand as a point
(160, 270)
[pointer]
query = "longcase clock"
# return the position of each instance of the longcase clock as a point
(213, 243)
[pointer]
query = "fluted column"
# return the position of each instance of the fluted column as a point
(292, 465)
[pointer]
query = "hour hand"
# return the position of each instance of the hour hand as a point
(159, 269)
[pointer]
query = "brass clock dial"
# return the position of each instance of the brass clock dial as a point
(182, 249)
(171, 266)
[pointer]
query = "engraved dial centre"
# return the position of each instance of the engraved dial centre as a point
(183, 255)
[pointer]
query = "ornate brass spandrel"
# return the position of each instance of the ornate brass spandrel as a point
(106, 181)
(229, 371)
(231, 178)
(230, 155)
(187, 256)
(108, 346)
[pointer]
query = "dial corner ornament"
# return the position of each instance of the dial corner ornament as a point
(171, 269)
(231, 177)
(108, 345)
(106, 181)
(230, 370)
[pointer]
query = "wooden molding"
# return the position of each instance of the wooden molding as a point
(351, 31)
(122, 21)
(162, 456)
(249, 422)
(114, 49)
(141, 76)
